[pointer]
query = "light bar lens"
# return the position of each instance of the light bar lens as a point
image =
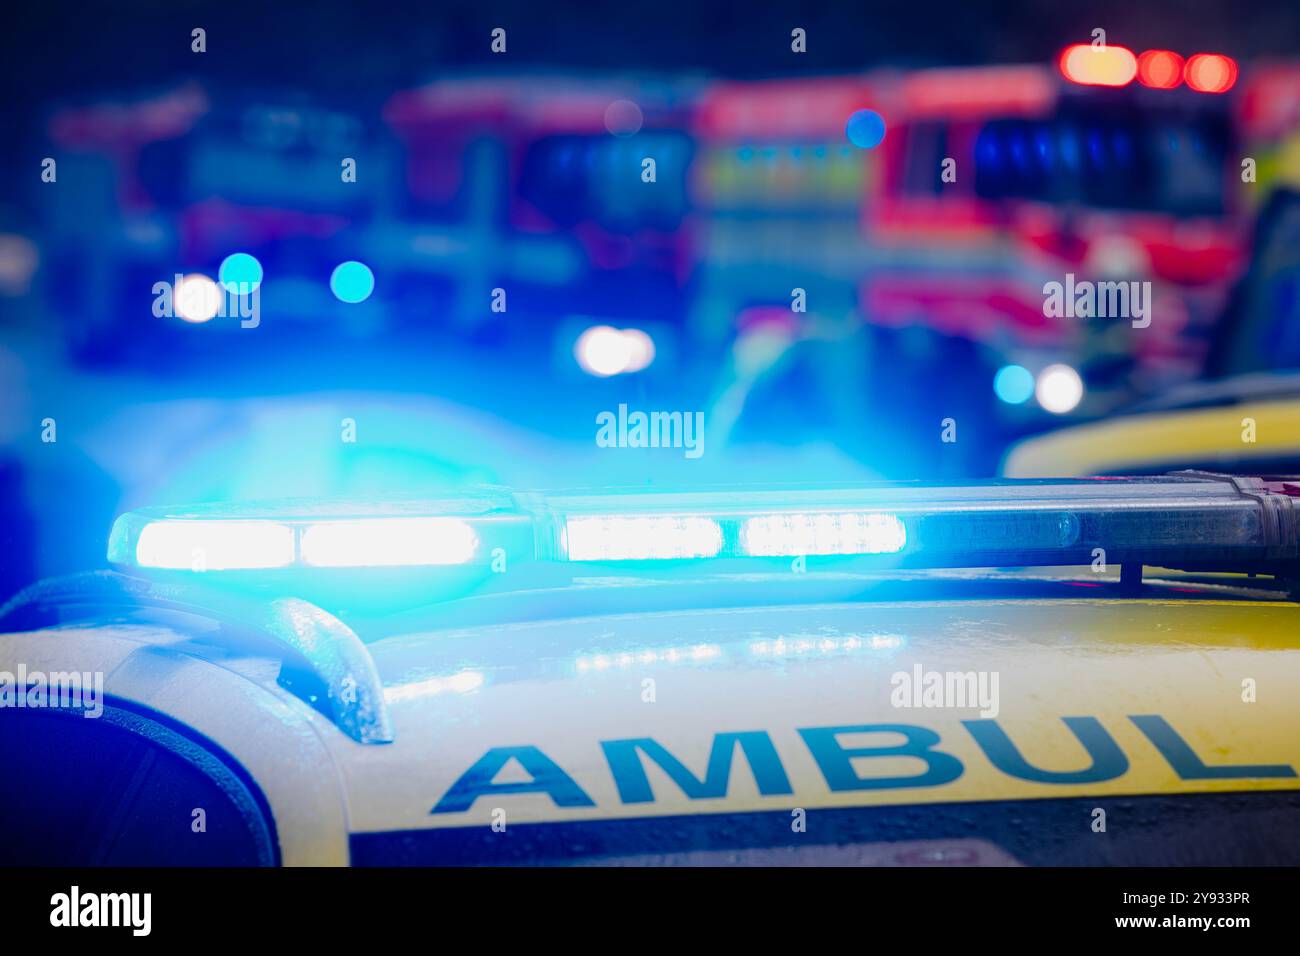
(214, 545)
(1160, 69)
(1195, 521)
(1098, 65)
(614, 538)
(1211, 72)
(827, 533)
(388, 542)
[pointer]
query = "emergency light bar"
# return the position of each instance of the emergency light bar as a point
(1116, 66)
(319, 535)
(1189, 520)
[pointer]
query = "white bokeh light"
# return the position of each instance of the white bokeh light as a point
(1059, 389)
(196, 298)
(603, 351)
(641, 349)
(623, 118)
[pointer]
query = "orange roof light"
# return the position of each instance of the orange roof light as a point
(1098, 65)
(1210, 72)
(1160, 69)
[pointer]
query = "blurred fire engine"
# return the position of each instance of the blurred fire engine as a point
(1106, 168)
(990, 183)
(568, 194)
(172, 183)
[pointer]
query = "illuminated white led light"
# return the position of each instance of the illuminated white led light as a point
(611, 538)
(1059, 389)
(388, 542)
(214, 545)
(827, 533)
(197, 298)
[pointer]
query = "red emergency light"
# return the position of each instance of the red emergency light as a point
(1160, 69)
(1210, 72)
(1109, 65)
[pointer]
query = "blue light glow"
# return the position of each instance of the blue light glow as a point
(1069, 145)
(388, 542)
(1043, 143)
(1019, 150)
(240, 273)
(352, 281)
(865, 129)
(791, 535)
(1014, 384)
(612, 538)
(214, 545)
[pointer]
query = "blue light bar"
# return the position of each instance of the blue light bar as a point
(214, 546)
(388, 542)
(637, 538)
(1194, 521)
(790, 535)
(313, 536)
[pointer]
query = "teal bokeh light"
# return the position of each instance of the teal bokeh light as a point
(352, 281)
(240, 273)
(1013, 384)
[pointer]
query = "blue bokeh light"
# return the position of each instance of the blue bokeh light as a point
(352, 281)
(1013, 384)
(240, 273)
(865, 129)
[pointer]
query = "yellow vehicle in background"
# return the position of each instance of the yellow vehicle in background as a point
(1243, 418)
(1245, 425)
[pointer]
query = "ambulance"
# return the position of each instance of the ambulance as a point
(1033, 672)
